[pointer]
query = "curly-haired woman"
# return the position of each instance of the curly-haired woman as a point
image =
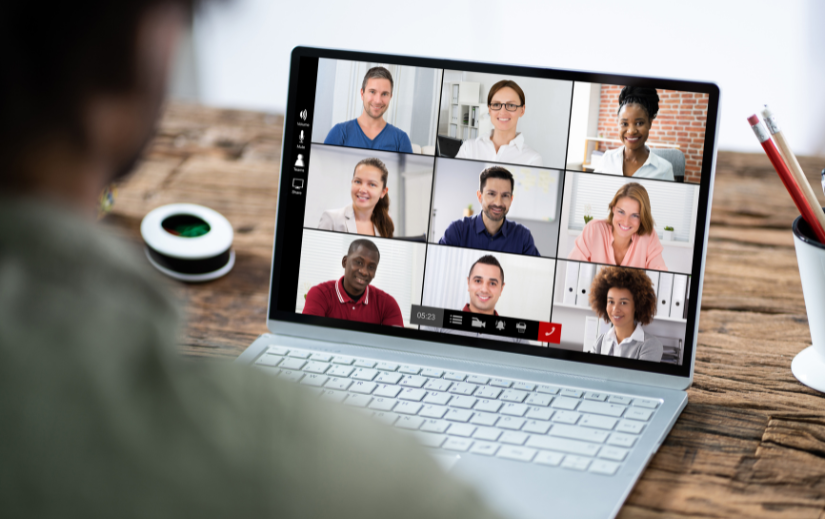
(625, 298)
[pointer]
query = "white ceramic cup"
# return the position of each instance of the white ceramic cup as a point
(809, 365)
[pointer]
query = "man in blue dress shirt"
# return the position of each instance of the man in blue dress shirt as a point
(490, 230)
(370, 130)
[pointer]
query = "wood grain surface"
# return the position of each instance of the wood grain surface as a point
(751, 442)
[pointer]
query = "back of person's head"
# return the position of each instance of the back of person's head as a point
(637, 192)
(647, 98)
(377, 73)
(487, 259)
(381, 212)
(495, 172)
(634, 280)
(61, 55)
(505, 83)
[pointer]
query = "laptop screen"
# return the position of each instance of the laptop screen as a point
(551, 213)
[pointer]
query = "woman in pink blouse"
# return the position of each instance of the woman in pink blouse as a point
(626, 237)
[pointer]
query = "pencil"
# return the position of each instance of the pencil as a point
(787, 178)
(793, 164)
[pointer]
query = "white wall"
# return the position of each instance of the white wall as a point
(243, 46)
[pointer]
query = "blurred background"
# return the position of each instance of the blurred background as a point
(758, 51)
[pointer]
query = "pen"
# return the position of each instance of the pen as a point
(793, 164)
(787, 178)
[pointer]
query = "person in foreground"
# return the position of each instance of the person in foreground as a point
(100, 416)
(506, 105)
(625, 298)
(350, 297)
(491, 230)
(626, 237)
(370, 130)
(369, 212)
(638, 107)
(484, 285)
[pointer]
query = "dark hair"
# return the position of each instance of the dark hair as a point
(61, 54)
(487, 259)
(505, 83)
(377, 73)
(495, 172)
(637, 192)
(367, 244)
(381, 212)
(647, 98)
(635, 280)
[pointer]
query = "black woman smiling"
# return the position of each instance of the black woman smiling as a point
(637, 108)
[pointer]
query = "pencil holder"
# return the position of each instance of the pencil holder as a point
(809, 365)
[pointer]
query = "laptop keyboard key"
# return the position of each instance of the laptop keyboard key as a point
(621, 440)
(539, 413)
(516, 453)
(293, 364)
(333, 396)
(511, 422)
(578, 433)
(524, 386)
(454, 443)
(340, 359)
(408, 408)
(573, 393)
(565, 403)
(362, 387)
(387, 366)
(614, 410)
(513, 438)
(431, 372)
(415, 395)
(364, 363)
(613, 453)
(464, 402)
(484, 448)
(277, 350)
(461, 429)
(458, 415)
(387, 391)
(488, 392)
(501, 382)
(433, 411)
(292, 376)
(644, 402)
(269, 360)
(478, 379)
(321, 357)
(514, 409)
(549, 458)
(316, 367)
(437, 398)
(630, 427)
(568, 417)
(383, 404)
(298, 354)
(621, 400)
(435, 426)
(341, 384)
(409, 422)
(487, 419)
(413, 381)
(487, 433)
(489, 406)
(536, 427)
(364, 374)
(537, 399)
(592, 395)
(563, 445)
(550, 390)
(314, 380)
(513, 395)
(437, 385)
(641, 415)
(463, 388)
(598, 422)
(608, 468)
(575, 462)
(455, 376)
(388, 377)
(340, 371)
(409, 370)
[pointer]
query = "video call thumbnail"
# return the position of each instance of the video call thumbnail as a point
(496, 207)
(351, 277)
(620, 311)
(487, 282)
(377, 106)
(638, 132)
(508, 119)
(655, 220)
(370, 192)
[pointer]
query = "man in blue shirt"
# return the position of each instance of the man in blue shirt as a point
(370, 130)
(490, 230)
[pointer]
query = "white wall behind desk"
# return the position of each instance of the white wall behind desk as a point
(242, 48)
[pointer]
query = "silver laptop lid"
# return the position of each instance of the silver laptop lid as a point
(557, 215)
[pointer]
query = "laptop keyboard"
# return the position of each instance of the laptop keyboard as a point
(561, 426)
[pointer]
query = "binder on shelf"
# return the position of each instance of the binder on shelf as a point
(571, 281)
(677, 300)
(687, 299)
(591, 331)
(586, 273)
(663, 296)
(654, 277)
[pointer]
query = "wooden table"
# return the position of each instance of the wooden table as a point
(751, 442)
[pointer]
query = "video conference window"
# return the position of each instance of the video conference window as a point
(369, 192)
(353, 278)
(488, 283)
(622, 221)
(621, 312)
(506, 119)
(637, 132)
(376, 106)
(506, 208)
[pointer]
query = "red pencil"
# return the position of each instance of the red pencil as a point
(787, 178)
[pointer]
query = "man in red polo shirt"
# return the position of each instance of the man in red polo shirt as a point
(351, 297)
(485, 283)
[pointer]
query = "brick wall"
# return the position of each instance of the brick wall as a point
(681, 120)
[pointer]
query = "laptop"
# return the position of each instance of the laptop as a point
(528, 311)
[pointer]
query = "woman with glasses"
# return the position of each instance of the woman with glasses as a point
(638, 107)
(369, 212)
(505, 103)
